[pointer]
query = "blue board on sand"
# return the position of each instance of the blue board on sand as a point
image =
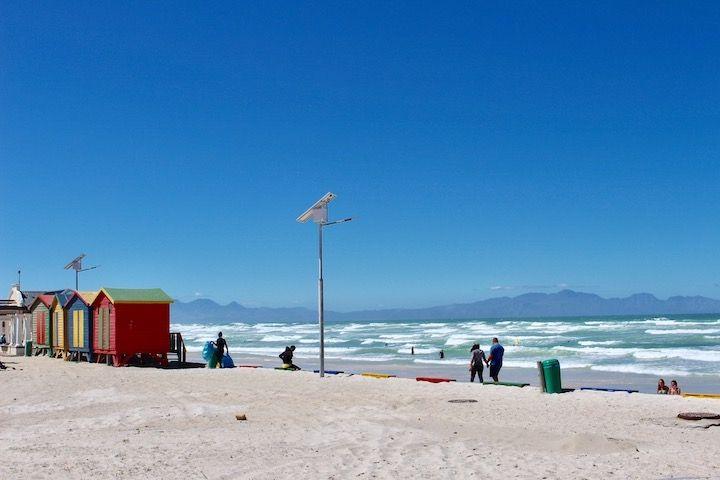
(330, 372)
(600, 389)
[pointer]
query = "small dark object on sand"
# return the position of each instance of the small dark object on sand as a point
(240, 416)
(698, 416)
(463, 400)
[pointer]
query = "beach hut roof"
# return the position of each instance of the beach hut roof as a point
(46, 299)
(87, 297)
(29, 296)
(136, 295)
(63, 297)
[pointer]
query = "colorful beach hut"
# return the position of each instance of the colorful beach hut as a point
(130, 323)
(79, 325)
(59, 323)
(41, 331)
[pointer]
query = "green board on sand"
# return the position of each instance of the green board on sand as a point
(507, 384)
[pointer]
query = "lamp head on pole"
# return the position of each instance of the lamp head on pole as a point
(318, 213)
(76, 263)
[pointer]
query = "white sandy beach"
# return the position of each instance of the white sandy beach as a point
(64, 420)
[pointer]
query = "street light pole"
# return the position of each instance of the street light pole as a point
(321, 300)
(318, 213)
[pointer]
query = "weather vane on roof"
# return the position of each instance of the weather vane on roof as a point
(76, 264)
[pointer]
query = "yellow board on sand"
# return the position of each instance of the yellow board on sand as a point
(377, 375)
(702, 395)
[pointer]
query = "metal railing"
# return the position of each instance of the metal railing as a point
(177, 345)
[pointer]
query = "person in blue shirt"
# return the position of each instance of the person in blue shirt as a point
(495, 358)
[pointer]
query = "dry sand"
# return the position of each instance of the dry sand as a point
(63, 420)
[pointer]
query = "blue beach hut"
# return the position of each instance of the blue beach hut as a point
(79, 325)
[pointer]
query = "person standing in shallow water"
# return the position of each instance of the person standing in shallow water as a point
(477, 357)
(495, 359)
(221, 345)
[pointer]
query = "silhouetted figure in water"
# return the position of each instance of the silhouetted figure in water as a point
(442, 354)
(412, 350)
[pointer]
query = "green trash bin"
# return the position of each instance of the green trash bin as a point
(551, 370)
(28, 348)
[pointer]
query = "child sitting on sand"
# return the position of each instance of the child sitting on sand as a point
(662, 388)
(674, 389)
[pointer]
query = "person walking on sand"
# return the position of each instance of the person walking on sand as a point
(495, 359)
(220, 347)
(287, 357)
(477, 357)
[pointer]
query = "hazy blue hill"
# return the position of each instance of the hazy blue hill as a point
(560, 304)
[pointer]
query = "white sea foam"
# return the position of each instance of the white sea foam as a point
(685, 353)
(529, 363)
(597, 351)
(280, 338)
(401, 337)
(457, 340)
(588, 343)
(373, 358)
(680, 331)
(448, 361)
(556, 329)
(641, 369)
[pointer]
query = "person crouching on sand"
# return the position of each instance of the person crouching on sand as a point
(662, 388)
(674, 389)
(287, 357)
(477, 357)
(495, 359)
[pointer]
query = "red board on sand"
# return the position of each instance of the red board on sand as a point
(434, 380)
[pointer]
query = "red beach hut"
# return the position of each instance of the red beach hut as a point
(131, 323)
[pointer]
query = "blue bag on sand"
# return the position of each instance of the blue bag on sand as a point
(227, 362)
(208, 351)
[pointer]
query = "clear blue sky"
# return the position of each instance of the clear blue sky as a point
(484, 149)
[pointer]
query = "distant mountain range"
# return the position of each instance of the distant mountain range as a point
(561, 304)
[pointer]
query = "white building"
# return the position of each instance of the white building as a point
(15, 321)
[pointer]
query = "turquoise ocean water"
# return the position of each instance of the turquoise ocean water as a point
(677, 346)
